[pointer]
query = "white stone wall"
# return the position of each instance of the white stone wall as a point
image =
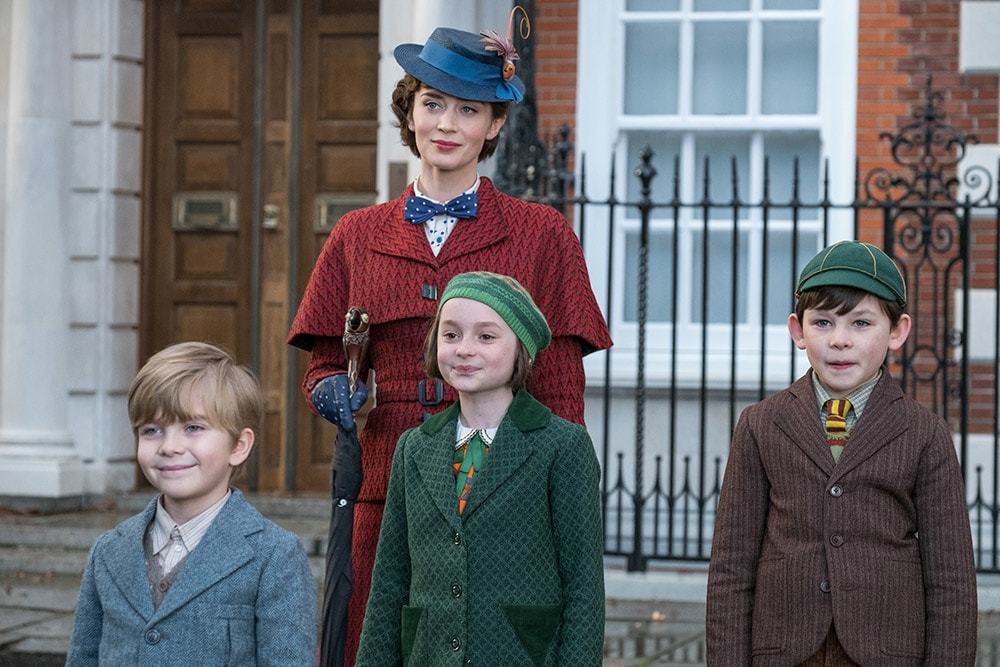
(70, 178)
(105, 183)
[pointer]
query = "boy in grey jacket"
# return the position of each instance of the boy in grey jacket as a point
(199, 577)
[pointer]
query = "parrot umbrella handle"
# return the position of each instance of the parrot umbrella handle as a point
(345, 484)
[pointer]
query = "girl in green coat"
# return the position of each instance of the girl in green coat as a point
(491, 545)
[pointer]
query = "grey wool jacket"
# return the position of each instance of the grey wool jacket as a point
(244, 597)
(877, 544)
(517, 579)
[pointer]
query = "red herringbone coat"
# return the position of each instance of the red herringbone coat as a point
(877, 544)
(376, 260)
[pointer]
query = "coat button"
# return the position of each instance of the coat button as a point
(836, 491)
(456, 537)
(837, 540)
(824, 586)
(152, 637)
(163, 585)
(455, 644)
(429, 292)
(456, 591)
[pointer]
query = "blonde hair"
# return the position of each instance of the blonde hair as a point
(163, 389)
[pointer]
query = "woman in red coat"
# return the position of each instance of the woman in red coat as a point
(393, 259)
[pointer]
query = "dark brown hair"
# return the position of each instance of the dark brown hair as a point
(402, 106)
(843, 300)
(522, 364)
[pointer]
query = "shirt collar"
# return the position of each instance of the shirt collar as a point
(858, 397)
(464, 433)
(192, 531)
(418, 193)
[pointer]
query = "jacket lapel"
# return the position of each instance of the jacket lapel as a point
(799, 421)
(223, 549)
(879, 425)
(125, 556)
(397, 237)
(512, 448)
(433, 459)
(474, 234)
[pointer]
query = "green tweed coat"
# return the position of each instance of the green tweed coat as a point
(518, 578)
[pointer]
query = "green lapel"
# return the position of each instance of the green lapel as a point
(511, 449)
(432, 454)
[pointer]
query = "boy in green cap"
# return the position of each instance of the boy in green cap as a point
(842, 536)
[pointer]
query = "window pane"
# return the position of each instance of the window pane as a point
(651, 68)
(782, 149)
(720, 276)
(791, 4)
(720, 150)
(779, 270)
(652, 5)
(791, 67)
(665, 146)
(720, 68)
(659, 288)
(721, 5)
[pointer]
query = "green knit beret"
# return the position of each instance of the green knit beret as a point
(509, 299)
(854, 264)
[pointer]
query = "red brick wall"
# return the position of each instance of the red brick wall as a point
(899, 43)
(555, 32)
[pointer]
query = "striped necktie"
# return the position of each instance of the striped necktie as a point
(836, 425)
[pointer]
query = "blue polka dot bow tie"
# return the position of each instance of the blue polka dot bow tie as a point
(419, 210)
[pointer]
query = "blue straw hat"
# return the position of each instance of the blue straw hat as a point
(457, 63)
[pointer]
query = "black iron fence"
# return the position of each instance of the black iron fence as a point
(669, 399)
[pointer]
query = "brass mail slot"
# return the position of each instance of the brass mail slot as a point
(330, 207)
(205, 211)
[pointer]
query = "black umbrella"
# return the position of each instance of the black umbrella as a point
(345, 484)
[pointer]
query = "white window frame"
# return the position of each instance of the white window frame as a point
(601, 127)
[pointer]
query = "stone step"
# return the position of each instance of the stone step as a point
(79, 531)
(273, 507)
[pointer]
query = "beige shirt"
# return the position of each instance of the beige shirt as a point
(171, 541)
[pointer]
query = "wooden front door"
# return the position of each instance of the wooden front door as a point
(260, 129)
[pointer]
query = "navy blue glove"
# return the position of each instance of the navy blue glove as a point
(334, 402)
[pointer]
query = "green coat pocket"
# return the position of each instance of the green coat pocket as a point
(536, 627)
(408, 630)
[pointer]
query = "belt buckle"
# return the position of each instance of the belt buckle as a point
(438, 393)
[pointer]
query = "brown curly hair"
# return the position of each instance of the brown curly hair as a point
(402, 105)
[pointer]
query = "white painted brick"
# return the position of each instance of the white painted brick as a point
(117, 432)
(83, 222)
(83, 425)
(124, 293)
(84, 282)
(127, 92)
(127, 151)
(83, 351)
(88, 157)
(88, 90)
(88, 27)
(120, 357)
(125, 227)
(128, 29)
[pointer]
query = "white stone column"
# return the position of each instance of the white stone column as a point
(37, 455)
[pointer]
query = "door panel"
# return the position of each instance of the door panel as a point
(201, 144)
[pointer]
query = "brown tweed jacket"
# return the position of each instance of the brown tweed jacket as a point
(878, 544)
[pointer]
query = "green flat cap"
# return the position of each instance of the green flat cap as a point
(854, 264)
(509, 299)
